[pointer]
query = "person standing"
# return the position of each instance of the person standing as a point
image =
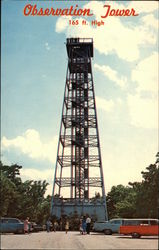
(88, 224)
(26, 225)
(61, 225)
(67, 226)
(80, 227)
(84, 225)
(55, 226)
(48, 224)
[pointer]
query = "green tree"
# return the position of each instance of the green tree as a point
(11, 172)
(44, 210)
(22, 199)
(147, 193)
(10, 183)
(121, 202)
(8, 194)
(31, 199)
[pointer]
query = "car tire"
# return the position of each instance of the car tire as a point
(107, 232)
(136, 235)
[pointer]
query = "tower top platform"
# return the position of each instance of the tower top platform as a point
(79, 45)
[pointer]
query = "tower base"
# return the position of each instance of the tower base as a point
(96, 209)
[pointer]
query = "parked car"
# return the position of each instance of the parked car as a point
(108, 227)
(37, 227)
(11, 225)
(34, 227)
(140, 227)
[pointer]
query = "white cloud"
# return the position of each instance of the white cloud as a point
(106, 105)
(150, 21)
(146, 74)
(30, 144)
(35, 174)
(134, 158)
(119, 101)
(143, 105)
(143, 111)
(114, 36)
(112, 75)
(61, 24)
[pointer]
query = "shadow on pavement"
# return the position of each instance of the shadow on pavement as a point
(142, 238)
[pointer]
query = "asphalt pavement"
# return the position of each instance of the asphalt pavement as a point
(74, 240)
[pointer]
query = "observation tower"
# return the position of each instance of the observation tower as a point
(78, 186)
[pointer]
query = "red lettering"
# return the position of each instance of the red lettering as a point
(75, 11)
(79, 12)
(27, 9)
(127, 12)
(34, 11)
(64, 12)
(86, 12)
(40, 12)
(58, 12)
(121, 12)
(47, 12)
(118, 12)
(133, 12)
(108, 9)
(112, 13)
(52, 12)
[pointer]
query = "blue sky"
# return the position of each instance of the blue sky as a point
(125, 69)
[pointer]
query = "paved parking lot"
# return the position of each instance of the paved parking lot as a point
(74, 240)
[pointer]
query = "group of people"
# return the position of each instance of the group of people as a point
(84, 228)
(85, 224)
(56, 226)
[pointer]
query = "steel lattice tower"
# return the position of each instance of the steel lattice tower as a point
(78, 171)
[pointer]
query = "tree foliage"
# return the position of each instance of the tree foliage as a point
(22, 199)
(139, 199)
(120, 201)
(8, 193)
(27, 199)
(147, 202)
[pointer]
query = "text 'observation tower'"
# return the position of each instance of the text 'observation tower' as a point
(78, 186)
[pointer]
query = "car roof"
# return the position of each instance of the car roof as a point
(140, 219)
(117, 219)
